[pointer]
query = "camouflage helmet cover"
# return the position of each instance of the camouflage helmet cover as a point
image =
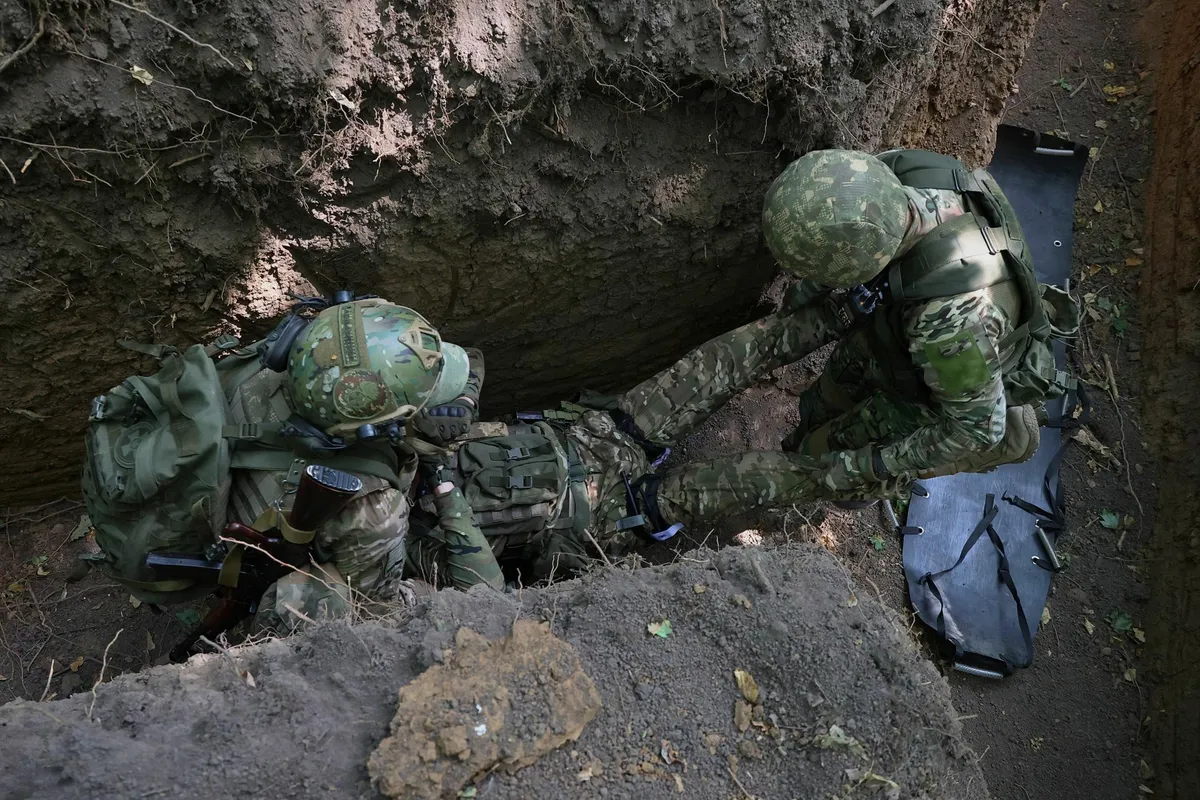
(836, 217)
(368, 362)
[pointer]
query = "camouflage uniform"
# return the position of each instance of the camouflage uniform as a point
(362, 550)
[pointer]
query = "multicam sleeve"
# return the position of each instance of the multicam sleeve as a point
(474, 375)
(469, 557)
(955, 341)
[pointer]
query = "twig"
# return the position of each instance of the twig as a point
(1112, 380)
(149, 169)
(196, 42)
(1096, 160)
(1079, 88)
(745, 791)
(1062, 120)
(1128, 199)
(11, 177)
(25, 48)
(100, 678)
(49, 676)
(1128, 477)
(596, 545)
(882, 7)
(299, 614)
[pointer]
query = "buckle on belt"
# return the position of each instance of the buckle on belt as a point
(520, 482)
(516, 453)
(99, 403)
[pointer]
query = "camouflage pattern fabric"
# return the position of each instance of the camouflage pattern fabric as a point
(835, 216)
(370, 362)
(454, 552)
(955, 342)
(364, 544)
(671, 404)
(930, 207)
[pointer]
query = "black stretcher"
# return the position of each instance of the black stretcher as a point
(985, 615)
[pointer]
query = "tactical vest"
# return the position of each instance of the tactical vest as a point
(984, 249)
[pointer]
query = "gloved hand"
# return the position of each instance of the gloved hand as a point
(444, 423)
(434, 466)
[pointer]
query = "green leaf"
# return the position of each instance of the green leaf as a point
(1119, 325)
(1110, 520)
(1120, 621)
(468, 793)
(660, 629)
(81, 528)
(37, 561)
(878, 541)
(1066, 87)
(188, 616)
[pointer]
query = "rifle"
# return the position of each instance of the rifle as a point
(243, 573)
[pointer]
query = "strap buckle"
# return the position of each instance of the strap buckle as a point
(520, 482)
(636, 521)
(516, 453)
(99, 403)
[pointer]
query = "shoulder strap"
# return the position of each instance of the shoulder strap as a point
(923, 169)
(959, 256)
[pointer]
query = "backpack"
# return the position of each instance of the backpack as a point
(523, 482)
(160, 455)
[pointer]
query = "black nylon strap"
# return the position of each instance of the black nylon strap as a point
(990, 511)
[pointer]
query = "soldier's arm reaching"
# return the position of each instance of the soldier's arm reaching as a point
(457, 546)
(955, 341)
(446, 422)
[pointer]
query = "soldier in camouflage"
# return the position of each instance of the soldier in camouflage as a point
(363, 363)
(943, 363)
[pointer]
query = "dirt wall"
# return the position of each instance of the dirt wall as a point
(1171, 308)
(846, 706)
(573, 186)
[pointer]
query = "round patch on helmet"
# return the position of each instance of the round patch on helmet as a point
(359, 394)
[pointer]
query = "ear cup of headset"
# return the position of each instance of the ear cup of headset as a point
(273, 352)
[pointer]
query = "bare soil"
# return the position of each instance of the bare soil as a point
(573, 186)
(843, 695)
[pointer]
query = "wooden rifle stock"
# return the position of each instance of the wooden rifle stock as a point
(322, 493)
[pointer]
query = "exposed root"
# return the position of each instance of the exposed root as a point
(100, 677)
(166, 24)
(11, 58)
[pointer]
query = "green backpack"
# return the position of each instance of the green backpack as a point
(157, 470)
(520, 483)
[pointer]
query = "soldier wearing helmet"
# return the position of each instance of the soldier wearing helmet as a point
(342, 388)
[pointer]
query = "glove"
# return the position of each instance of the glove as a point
(447, 422)
(433, 466)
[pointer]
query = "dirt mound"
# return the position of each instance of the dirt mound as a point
(573, 186)
(842, 698)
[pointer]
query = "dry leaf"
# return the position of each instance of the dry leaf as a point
(1131, 675)
(149, 642)
(249, 64)
(746, 684)
(133, 601)
(142, 75)
(838, 738)
(208, 300)
(42, 571)
(249, 679)
(699, 588)
(678, 783)
(741, 715)
(1088, 626)
(1101, 124)
(1045, 616)
(76, 664)
(1144, 789)
(585, 775)
(1093, 152)
(1085, 437)
(660, 629)
(2, 678)
(1099, 207)
(740, 600)
(81, 528)
(852, 602)
(1139, 635)
(343, 101)
(1133, 261)
(1109, 66)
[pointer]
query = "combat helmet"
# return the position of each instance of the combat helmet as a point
(836, 217)
(369, 362)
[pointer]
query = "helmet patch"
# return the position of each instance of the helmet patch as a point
(360, 395)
